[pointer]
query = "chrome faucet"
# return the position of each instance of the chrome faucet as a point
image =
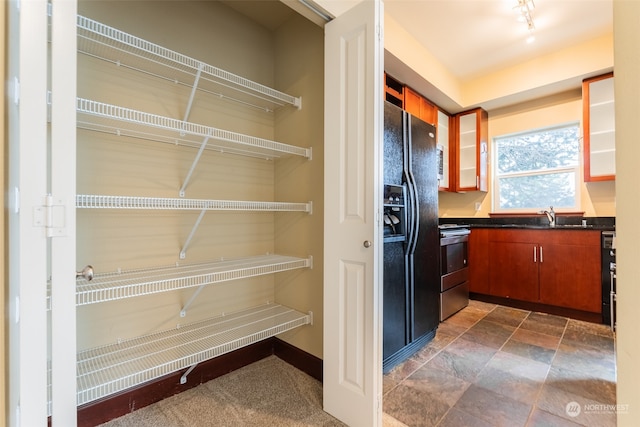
(551, 216)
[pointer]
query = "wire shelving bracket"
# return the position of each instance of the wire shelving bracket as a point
(183, 251)
(183, 378)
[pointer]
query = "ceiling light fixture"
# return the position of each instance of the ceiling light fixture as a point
(525, 9)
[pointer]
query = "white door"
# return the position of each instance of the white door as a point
(27, 186)
(62, 232)
(352, 380)
(41, 213)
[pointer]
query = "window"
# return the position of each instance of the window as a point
(537, 169)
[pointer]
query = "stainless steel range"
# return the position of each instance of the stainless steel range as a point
(454, 269)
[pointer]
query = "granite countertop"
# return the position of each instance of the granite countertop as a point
(536, 223)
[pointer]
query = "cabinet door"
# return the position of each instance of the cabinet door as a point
(599, 128)
(428, 111)
(479, 261)
(443, 135)
(393, 91)
(570, 272)
(412, 101)
(471, 150)
(513, 270)
(419, 106)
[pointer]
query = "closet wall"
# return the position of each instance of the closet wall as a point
(289, 59)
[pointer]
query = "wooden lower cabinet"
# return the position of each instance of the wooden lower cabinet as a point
(552, 267)
(479, 261)
(512, 271)
(570, 272)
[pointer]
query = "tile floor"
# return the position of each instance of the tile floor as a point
(498, 366)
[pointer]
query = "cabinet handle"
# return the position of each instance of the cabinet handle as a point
(535, 254)
(541, 259)
(366, 244)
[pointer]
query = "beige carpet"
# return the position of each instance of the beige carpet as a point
(269, 392)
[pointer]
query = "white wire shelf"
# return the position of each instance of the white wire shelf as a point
(89, 201)
(113, 368)
(126, 284)
(121, 121)
(123, 49)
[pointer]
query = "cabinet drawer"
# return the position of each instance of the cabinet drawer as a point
(450, 280)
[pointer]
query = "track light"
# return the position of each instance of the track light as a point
(525, 9)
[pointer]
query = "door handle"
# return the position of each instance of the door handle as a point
(535, 254)
(541, 259)
(366, 244)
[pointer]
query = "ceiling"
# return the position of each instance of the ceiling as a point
(487, 35)
(474, 38)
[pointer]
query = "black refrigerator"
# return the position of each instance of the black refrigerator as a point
(411, 238)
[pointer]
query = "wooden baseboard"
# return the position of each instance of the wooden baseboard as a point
(306, 362)
(120, 404)
(542, 308)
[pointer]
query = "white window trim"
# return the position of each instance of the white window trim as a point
(495, 182)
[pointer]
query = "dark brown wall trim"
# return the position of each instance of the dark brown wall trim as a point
(307, 363)
(120, 404)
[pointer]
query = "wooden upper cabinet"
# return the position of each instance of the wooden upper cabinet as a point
(393, 91)
(471, 150)
(419, 106)
(599, 128)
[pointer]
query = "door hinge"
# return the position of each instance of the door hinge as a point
(52, 215)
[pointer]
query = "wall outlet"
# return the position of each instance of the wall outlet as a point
(478, 206)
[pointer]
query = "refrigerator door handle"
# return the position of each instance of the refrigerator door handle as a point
(416, 216)
(411, 229)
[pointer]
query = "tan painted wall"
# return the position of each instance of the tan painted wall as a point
(300, 69)
(596, 199)
(589, 57)
(626, 17)
(113, 165)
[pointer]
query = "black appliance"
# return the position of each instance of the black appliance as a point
(454, 269)
(609, 279)
(411, 285)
